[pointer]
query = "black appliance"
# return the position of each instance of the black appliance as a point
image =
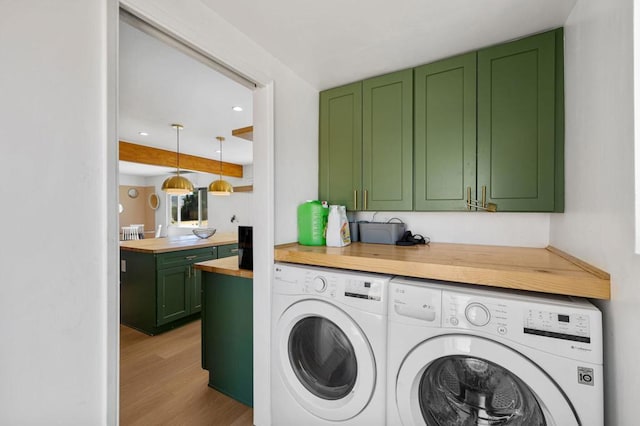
(245, 247)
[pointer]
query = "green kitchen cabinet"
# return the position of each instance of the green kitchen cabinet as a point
(445, 133)
(387, 142)
(366, 143)
(227, 334)
(159, 291)
(227, 250)
(521, 124)
(174, 290)
(341, 146)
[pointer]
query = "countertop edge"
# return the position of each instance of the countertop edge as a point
(224, 266)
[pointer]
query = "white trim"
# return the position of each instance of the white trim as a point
(112, 265)
(184, 46)
(263, 242)
(636, 118)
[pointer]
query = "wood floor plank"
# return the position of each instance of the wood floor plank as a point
(162, 382)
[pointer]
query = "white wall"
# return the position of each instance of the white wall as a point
(502, 229)
(295, 115)
(598, 225)
(57, 110)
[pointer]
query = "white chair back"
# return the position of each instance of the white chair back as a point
(130, 233)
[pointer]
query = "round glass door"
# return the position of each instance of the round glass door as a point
(467, 380)
(468, 390)
(322, 358)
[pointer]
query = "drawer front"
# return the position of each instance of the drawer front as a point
(227, 250)
(185, 257)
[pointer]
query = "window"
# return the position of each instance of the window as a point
(188, 210)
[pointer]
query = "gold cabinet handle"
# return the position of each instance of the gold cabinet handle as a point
(366, 199)
(355, 199)
(482, 204)
(484, 196)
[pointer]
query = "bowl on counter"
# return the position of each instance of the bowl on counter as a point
(203, 233)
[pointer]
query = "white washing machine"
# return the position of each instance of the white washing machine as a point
(461, 355)
(329, 343)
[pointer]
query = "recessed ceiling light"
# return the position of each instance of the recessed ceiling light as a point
(237, 108)
(143, 133)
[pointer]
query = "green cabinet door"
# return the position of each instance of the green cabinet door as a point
(195, 298)
(387, 141)
(445, 133)
(518, 98)
(340, 171)
(173, 293)
(227, 334)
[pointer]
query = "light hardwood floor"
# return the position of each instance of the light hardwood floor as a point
(162, 382)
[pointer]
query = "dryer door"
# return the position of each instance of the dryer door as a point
(469, 380)
(325, 360)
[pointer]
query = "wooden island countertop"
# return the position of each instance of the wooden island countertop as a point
(177, 243)
(546, 270)
(225, 266)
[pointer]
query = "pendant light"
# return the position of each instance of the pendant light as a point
(220, 187)
(177, 185)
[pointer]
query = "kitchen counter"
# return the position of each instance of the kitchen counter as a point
(225, 266)
(546, 270)
(177, 243)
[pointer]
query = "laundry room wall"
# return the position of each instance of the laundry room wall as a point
(598, 223)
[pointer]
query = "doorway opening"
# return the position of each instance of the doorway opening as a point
(142, 115)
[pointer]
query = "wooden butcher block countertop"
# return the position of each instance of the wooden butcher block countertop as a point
(546, 270)
(225, 266)
(183, 242)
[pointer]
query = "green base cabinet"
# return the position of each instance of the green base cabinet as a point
(227, 250)
(161, 291)
(227, 334)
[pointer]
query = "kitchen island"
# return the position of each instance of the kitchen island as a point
(546, 270)
(227, 327)
(159, 287)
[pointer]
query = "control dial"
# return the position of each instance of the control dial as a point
(319, 284)
(477, 314)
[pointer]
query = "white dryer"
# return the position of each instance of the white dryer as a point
(462, 355)
(329, 343)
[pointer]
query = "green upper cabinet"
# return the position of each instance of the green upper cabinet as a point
(387, 147)
(445, 133)
(483, 127)
(520, 123)
(341, 145)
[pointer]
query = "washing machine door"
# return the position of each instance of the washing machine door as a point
(469, 380)
(325, 360)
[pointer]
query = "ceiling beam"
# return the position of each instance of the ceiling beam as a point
(244, 133)
(160, 157)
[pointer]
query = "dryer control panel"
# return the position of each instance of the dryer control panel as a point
(557, 324)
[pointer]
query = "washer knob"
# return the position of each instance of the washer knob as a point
(319, 284)
(477, 314)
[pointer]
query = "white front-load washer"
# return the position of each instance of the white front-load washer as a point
(463, 355)
(329, 343)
